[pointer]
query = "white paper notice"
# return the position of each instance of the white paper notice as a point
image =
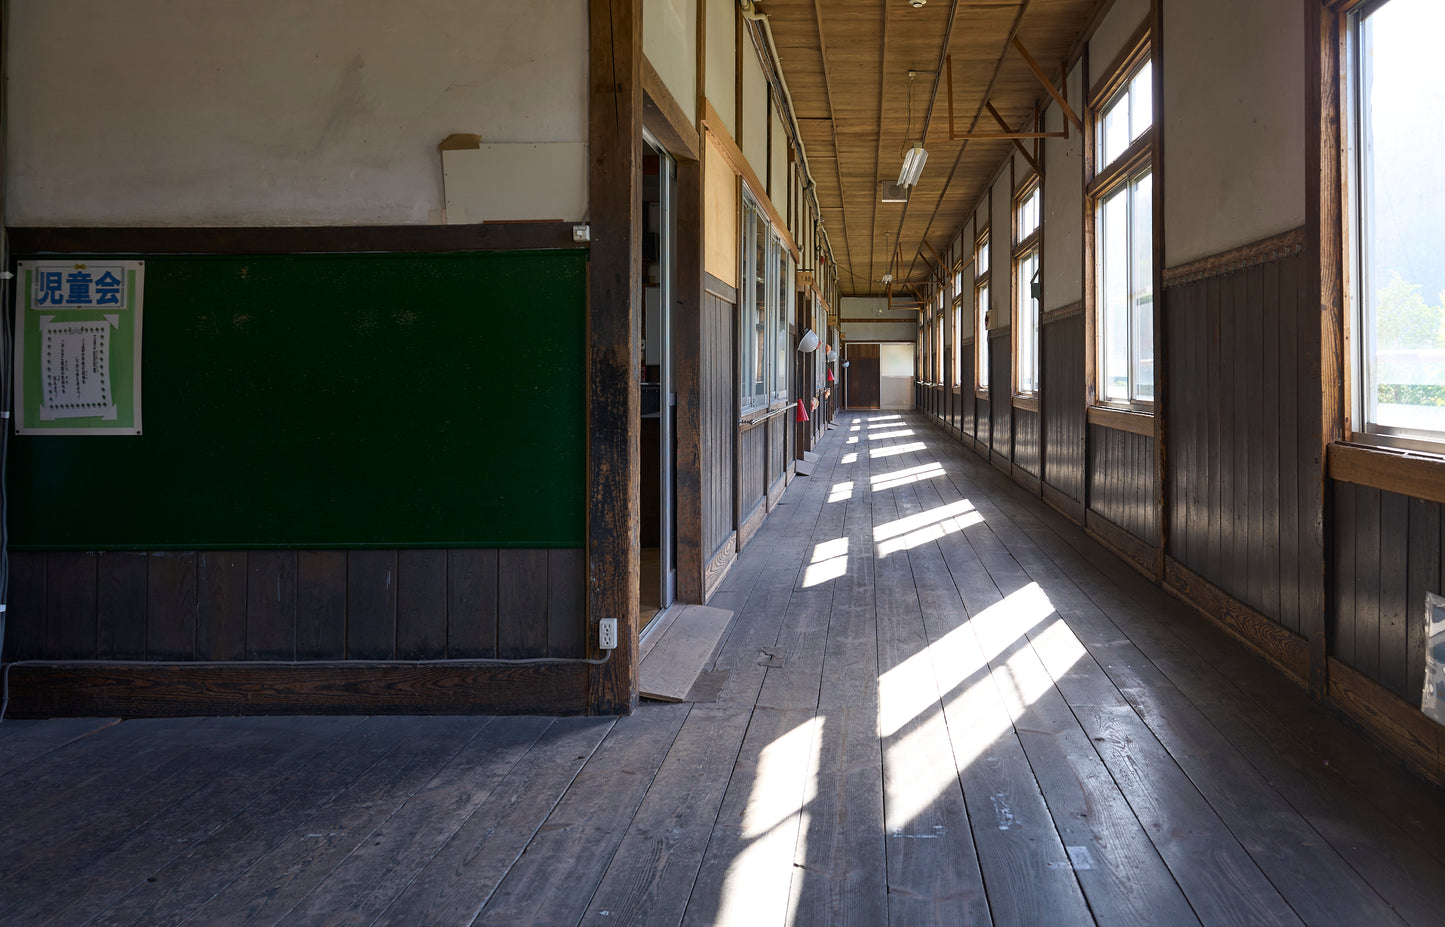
(77, 370)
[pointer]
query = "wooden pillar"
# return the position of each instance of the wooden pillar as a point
(1321, 339)
(613, 320)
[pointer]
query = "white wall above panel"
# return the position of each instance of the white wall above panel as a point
(501, 183)
(669, 40)
(1234, 125)
(1123, 20)
(1063, 213)
(274, 112)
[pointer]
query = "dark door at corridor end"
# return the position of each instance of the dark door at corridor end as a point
(860, 377)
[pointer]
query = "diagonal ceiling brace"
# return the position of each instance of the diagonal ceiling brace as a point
(1007, 132)
(1033, 162)
(1059, 98)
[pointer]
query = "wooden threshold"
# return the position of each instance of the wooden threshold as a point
(170, 690)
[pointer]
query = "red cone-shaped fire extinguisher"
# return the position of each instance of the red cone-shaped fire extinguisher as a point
(802, 412)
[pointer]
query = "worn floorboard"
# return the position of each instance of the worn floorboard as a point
(944, 704)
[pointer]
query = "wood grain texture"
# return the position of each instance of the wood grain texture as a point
(166, 691)
(271, 608)
(1278, 644)
(521, 604)
(421, 604)
(471, 604)
(370, 604)
(171, 606)
(566, 603)
(321, 590)
(221, 579)
(614, 302)
(70, 604)
(121, 605)
(25, 608)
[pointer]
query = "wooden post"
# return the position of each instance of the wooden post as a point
(1161, 320)
(1322, 361)
(613, 319)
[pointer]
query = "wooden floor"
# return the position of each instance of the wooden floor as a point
(942, 706)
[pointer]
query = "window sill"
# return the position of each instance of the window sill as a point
(1130, 420)
(979, 393)
(1408, 473)
(1027, 401)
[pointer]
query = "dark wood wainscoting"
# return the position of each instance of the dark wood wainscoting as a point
(1387, 555)
(1244, 465)
(296, 605)
(1062, 351)
(1026, 441)
(1121, 481)
(1000, 377)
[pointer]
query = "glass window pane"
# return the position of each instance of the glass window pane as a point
(981, 336)
(1141, 285)
(1028, 332)
(1114, 296)
(980, 266)
(1028, 219)
(1402, 193)
(1141, 101)
(957, 343)
(1114, 129)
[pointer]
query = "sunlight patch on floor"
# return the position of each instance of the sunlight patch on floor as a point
(849, 458)
(830, 561)
(911, 531)
(758, 882)
(908, 689)
(928, 471)
(841, 492)
(897, 449)
(905, 433)
(883, 418)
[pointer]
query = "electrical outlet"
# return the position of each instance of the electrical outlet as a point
(607, 634)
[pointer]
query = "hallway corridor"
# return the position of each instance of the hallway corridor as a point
(938, 703)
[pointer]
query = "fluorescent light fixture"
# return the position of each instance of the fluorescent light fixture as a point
(913, 163)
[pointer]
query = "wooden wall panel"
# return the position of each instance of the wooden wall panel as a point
(221, 602)
(412, 604)
(70, 605)
(1000, 379)
(1387, 555)
(1121, 480)
(777, 453)
(968, 406)
(983, 421)
(121, 605)
(752, 469)
(719, 417)
(1062, 349)
(421, 604)
(1240, 461)
(321, 605)
(1026, 441)
(471, 604)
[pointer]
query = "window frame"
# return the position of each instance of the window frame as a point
(1026, 246)
(982, 280)
(1359, 343)
(773, 284)
(1136, 160)
(956, 302)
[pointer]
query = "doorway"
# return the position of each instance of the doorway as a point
(860, 377)
(657, 552)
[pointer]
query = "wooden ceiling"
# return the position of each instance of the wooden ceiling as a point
(846, 63)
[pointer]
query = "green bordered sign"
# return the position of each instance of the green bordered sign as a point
(77, 348)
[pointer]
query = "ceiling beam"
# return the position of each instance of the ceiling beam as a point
(1059, 98)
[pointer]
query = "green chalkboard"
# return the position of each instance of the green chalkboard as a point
(335, 401)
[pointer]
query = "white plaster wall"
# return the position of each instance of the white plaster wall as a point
(1000, 252)
(273, 112)
(1063, 210)
(719, 73)
(873, 309)
(669, 40)
(1234, 125)
(856, 331)
(1122, 21)
(778, 165)
(754, 140)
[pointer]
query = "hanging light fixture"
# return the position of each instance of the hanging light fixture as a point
(913, 161)
(915, 157)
